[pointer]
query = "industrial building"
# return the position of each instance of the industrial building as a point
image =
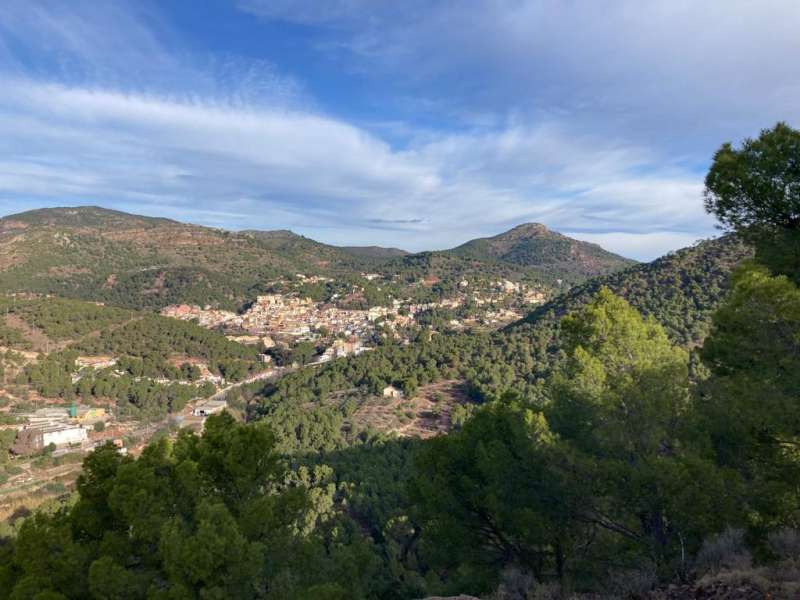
(33, 439)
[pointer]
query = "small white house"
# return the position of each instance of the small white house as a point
(392, 392)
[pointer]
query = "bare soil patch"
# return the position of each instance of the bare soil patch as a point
(39, 341)
(425, 415)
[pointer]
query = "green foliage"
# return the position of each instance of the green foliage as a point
(153, 339)
(210, 517)
(755, 191)
(62, 319)
(608, 467)
(625, 387)
(7, 437)
(491, 495)
(751, 404)
(303, 352)
(623, 402)
(52, 375)
(142, 398)
(757, 185)
(12, 337)
(681, 290)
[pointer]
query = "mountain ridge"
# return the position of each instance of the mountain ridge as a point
(138, 261)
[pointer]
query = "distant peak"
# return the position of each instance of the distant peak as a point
(282, 232)
(273, 234)
(526, 230)
(531, 227)
(77, 216)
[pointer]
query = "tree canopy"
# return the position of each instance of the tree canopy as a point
(755, 191)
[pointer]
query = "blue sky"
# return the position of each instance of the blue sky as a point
(418, 124)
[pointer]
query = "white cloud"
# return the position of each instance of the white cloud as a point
(244, 167)
(568, 114)
(669, 72)
(109, 40)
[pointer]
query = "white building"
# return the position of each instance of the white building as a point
(392, 392)
(34, 439)
(63, 435)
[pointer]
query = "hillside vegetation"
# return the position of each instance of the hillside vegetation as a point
(552, 252)
(97, 254)
(681, 291)
(155, 370)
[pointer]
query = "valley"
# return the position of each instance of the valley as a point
(143, 371)
(62, 358)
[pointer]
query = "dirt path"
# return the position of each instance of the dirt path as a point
(269, 373)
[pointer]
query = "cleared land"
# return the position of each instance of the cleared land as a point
(425, 415)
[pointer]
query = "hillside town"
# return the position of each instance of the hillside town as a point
(289, 318)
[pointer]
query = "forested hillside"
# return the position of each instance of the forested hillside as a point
(96, 254)
(681, 291)
(156, 359)
(534, 244)
(309, 254)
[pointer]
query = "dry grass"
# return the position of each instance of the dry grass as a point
(39, 341)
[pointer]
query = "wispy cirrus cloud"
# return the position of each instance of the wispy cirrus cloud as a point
(596, 122)
(275, 168)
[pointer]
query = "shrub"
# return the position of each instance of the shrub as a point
(634, 582)
(516, 584)
(724, 551)
(785, 543)
(55, 487)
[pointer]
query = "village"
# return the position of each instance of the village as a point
(286, 319)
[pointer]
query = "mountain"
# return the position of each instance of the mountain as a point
(533, 244)
(135, 261)
(93, 253)
(529, 252)
(80, 217)
(98, 254)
